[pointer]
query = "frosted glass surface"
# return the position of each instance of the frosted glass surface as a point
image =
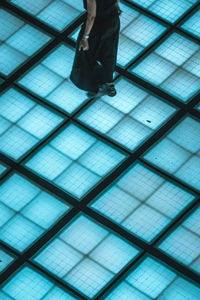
(177, 153)
(184, 242)
(173, 67)
(6, 260)
(18, 41)
(169, 10)
(26, 212)
(192, 25)
(130, 118)
(70, 160)
(86, 255)
(142, 202)
(27, 123)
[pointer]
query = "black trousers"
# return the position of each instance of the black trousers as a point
(95, 66)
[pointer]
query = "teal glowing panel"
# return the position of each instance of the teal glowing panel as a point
(184, 242)
(2, 169)
(75, 160)
(192, 25)
(129, 118)
(168, 10)
(57, 14)
(178, 152)
(5, 260)
(142, 202)
(26, 212)
(50, 79)
(18, 42)
(23, 123)
(152, 280)
(137, 32)
(173, 67)
(86, 255)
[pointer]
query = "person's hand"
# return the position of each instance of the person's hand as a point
(84, 44)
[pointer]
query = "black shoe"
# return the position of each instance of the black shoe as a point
(111, 91)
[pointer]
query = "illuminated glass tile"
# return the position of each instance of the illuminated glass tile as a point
(128, 118)
(39, 121)
(192, 24)
(77, 180)
(190, 172)
(100, 158)
(101, 116)
(152, 112)
(143, 30)
(9, 24)
(59, 258)
(184, 242)
(41, 80)
(169, 10)
(26, 211)
(73, 141)
(2, 169)
(30, 6)
(4, 296)
(15, 142)
(49, 163)
(190, 129)
(177, 153)
(145, 222)
(6, 260)
(20, 232)
(182, 84)
(167, 155)
(177, 49)
(10, 59)
(58, 14)
(67, 96)
(93, 254)
(89, 277)
(125, 291)
(113, 253)
(169, 199)
(28, 40)
(27, 282)
(60, 61)
(21, 41)
(57, 160)
(173, 66)
(136, 32)
(4, 125)
(193, 65)
(130, 133)
(14, 105)
(30, 123)
(45, 210)
(56, 293)
(127, 50)
(142, 202)
(151, 277)
(5, 214)
(16, 192)
(154, 69)
(181, 289)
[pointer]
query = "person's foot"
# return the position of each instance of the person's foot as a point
(111, 91)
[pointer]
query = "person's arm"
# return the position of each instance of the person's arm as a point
(91, 15)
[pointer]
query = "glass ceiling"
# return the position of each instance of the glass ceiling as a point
(99, 199)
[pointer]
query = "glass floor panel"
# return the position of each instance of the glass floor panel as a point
(99, 198)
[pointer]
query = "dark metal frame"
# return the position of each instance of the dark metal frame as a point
(24, 258)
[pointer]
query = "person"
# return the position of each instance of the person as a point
(96, 48)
